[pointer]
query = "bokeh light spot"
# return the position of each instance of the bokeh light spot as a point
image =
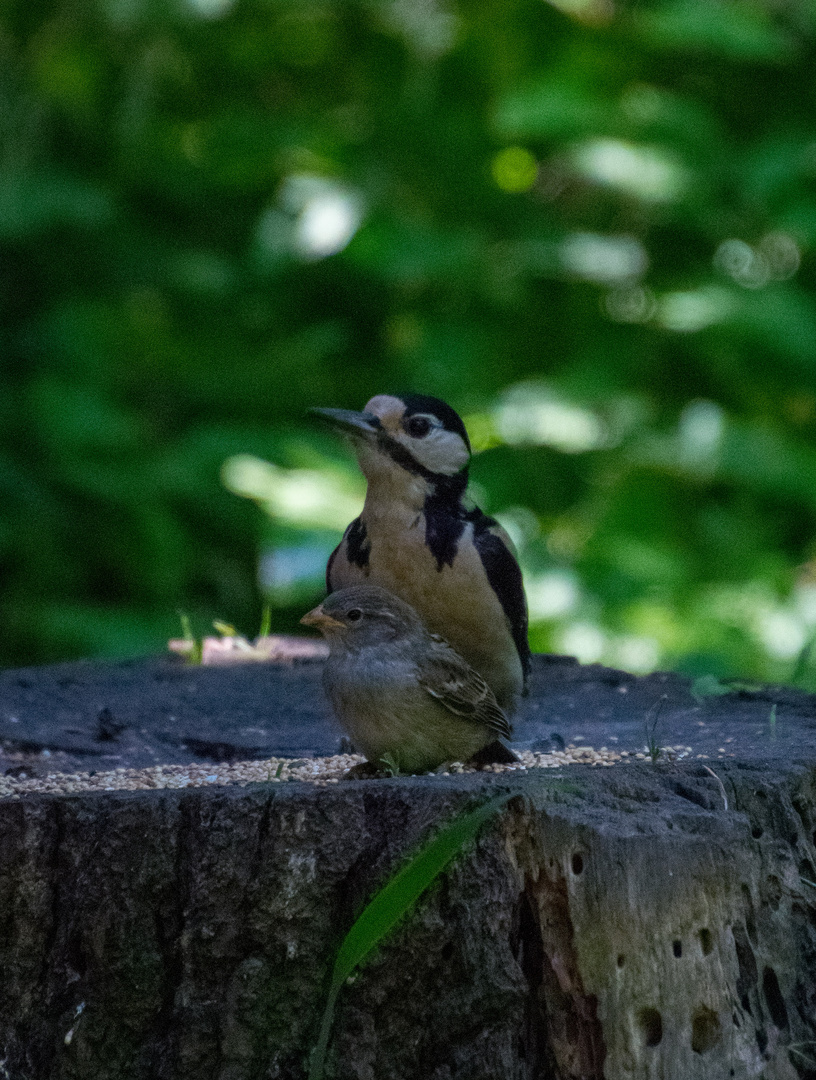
(629, 304)
(781, 254)
(552, 594)
(634, 653)
(688, 312)
(303, 497)
(211, 9)
(701, 430)
(781, 634)
(647, 172)
(534, 414)
(741, 263)
(604, 258)
(583, 640)
(514, 169)
(315, 217)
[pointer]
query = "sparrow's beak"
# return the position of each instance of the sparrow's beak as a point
(350, 422)
(318, 617)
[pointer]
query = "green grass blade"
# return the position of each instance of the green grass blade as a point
(194, 656)
(266, 620)
(389, 905)
(405, 888)
(319, 1053)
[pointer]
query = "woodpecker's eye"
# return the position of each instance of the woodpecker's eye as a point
(354, 614)
(417, 426)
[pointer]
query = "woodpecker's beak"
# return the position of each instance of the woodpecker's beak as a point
(318, 617)
(350, 422)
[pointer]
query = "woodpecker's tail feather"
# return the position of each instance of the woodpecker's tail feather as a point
(495, 753)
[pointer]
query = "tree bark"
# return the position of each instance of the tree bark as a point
(616, 923)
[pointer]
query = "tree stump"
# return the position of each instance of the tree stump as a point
(640, 921)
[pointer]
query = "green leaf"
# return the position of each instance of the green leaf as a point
(405, 888)
(391, 903)
(550, 109)
(31, 203)
(391, 764)
(781, 318)
(737, 31)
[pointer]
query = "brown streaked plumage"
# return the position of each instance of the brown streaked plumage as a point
(400, 692)
(416, 538)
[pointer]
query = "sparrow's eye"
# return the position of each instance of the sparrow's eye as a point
(354, 614)
(417, 426)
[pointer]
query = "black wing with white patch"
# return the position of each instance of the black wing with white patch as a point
(504, 574)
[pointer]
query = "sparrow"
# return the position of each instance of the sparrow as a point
(403, 695)
(416, 537)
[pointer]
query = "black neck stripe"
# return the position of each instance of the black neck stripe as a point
(446, 488)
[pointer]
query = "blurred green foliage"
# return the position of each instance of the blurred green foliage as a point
(590, 226)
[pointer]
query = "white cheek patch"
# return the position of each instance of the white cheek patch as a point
(440, 451)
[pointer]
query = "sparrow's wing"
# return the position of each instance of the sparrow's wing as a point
(446, 676)
(495, 549)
